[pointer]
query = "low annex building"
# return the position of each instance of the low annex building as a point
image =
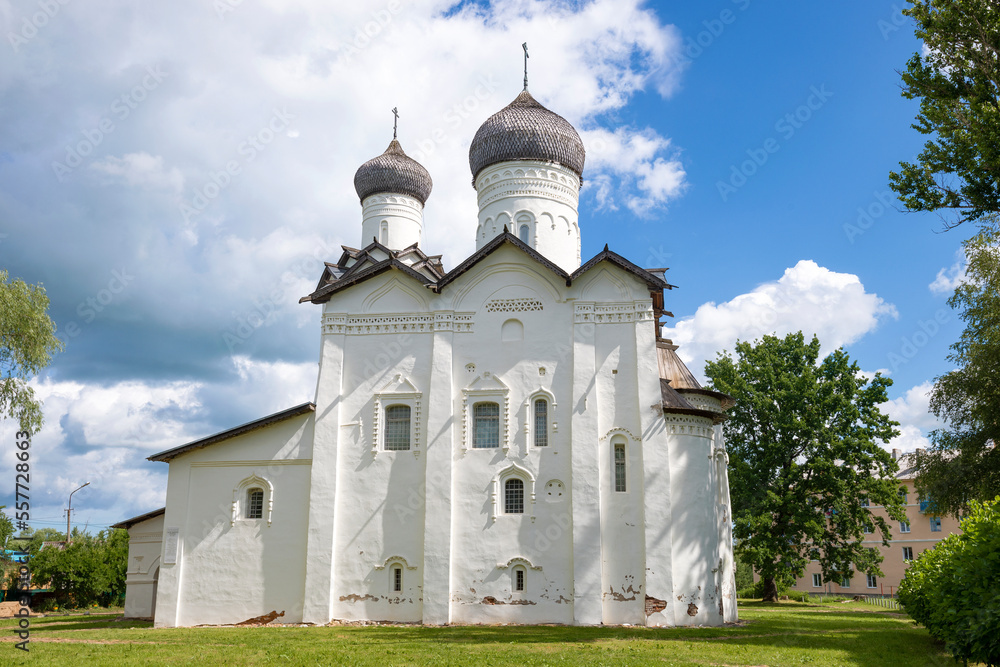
(510, 440)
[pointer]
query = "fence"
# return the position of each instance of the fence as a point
(879, 601)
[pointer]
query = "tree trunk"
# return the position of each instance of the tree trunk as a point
(770, 589)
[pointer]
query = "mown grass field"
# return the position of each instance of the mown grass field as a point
(789, 633)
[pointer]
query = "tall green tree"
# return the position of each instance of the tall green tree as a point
(957, 80)
(804, 453)
(964, 462)
(89, 570)
(27, 343)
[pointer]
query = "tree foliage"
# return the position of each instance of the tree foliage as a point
(89, 570)
(954, 588)
(957, 80)
(27, 343)
(964, 462)
(803, 447)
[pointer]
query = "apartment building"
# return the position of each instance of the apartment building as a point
(921, 531)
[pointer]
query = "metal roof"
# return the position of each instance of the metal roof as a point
(525, 130)
(128, 523)
(233, 432)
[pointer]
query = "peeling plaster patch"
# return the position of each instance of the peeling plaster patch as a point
(263, 620)
(620, 597)
(692, 609)
(489, 599)
(654, 605)
(563, 600)
(353, 597)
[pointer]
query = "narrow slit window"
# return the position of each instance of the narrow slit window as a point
(255, 503)
(620, 472)
(397, 427)
(523, 233)
(541, 422)
(397, 579)
(486, 425)
(513, 496)
(519, 579)
(384, 233)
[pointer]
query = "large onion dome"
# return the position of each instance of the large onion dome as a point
(393, 171)
(525, 130)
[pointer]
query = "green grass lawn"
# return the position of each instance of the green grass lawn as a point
(788, 633)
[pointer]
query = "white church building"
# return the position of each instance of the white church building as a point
(508, 441)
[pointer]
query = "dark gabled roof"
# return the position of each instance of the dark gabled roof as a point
(358, 265)
(654, 281)
(128, 523)
(486, 250)
(233, 432)
(323, 294)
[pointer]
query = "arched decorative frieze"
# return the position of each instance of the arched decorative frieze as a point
(399, 560)
(516, 305)
(545, 284)
(399, 391)
(240, 499)
(701, 427)
(518, 560)
(401, 323)
(623, 431)
(613, 313)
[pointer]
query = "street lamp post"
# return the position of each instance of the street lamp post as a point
(69, 510)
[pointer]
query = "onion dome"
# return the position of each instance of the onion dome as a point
(393, 171)
(525, 130)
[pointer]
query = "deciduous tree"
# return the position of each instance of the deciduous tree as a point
(803, 442)
(957, 80)
(964, 463)
(27, 343)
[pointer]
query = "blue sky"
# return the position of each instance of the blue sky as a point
(175, 175)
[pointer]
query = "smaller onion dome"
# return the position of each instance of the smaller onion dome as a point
(393, 171)
(525, 130)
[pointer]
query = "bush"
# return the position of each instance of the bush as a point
(954, 588)
(756, 591)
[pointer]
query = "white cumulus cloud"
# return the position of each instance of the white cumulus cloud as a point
(808, 297)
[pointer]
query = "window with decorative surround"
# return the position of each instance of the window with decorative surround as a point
(396, 419)
(513, 493)
(253, 500)
(485, 414)
(540, 424)
(619, 446)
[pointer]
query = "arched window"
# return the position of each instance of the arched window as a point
(255, 503)
(486, 425)
(520, 579)
(523, 233)
(397, 427)
(397, 579)
(620, 470)
(513, 496)
(384, 233)
(541, 422)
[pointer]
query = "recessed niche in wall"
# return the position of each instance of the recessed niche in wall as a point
(512, 330)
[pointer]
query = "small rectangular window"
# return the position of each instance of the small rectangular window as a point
(864, 502)
(907, 553)
(397, 427)
(620, 472)
(486, 425)
(902, 496)
(868, 529)
(904, 527)
(845, 582)
(519, 580)
(935, 524)
(397, 579)
(872, 581)
(817, 580)
(541, 423)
